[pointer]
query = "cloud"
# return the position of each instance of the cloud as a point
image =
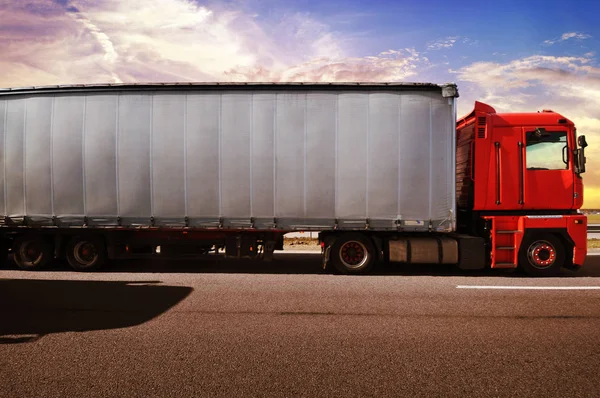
(391, 65)
(568, 36)
(89, 41)
(448, 42)
(110, 55)
(570, 79)
(574, 35)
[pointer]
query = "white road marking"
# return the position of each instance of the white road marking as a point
(530, 287)
(286, 251)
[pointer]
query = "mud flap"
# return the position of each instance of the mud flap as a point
(471, 252)
(269, 249)
(325, 257)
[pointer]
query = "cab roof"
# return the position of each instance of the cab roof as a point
(544, 117)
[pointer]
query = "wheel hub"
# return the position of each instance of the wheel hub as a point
(541, 254)
(85, 253)
(31, 252)
(353, 254)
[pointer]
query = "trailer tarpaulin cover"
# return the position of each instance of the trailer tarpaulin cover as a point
(293, 157)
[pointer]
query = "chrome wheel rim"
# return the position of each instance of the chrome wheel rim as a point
(354, 254)
(541, 254)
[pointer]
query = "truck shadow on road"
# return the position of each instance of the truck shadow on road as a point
(31, 309)
(310, 263)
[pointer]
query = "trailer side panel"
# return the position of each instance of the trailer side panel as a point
(315, 158)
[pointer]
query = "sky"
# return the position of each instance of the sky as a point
(519, 56)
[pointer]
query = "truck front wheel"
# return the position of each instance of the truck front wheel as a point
(86, 253)
(353, 254)
(32, 252)
(542, 254)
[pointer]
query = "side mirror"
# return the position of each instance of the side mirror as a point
(580, 161)
(580, 154)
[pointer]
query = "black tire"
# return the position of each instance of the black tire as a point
(4, 245)
(85, 253)
(32, 252)
(353, 254)
(542, 254)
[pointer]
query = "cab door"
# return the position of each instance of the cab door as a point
(548, 168)
(505, 185)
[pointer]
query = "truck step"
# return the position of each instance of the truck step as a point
(507, 232)
(505, 265)
(505, 248)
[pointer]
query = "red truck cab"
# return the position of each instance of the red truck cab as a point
(519, 185)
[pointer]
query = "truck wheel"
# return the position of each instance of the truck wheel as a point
(542, 254)
(32, 253)
(353, 254)
(4, 245)
(86, 253)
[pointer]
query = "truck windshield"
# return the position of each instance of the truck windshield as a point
(547, 150)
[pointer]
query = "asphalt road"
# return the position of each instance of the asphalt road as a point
(285, 329)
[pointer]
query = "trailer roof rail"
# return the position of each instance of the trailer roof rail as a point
(448, 89)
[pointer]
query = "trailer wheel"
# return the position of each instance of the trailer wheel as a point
(32, 252)
(542, 254)
(86, 253)
(353, 254)
(4, 245)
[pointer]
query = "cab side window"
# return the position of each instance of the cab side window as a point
(547, 150)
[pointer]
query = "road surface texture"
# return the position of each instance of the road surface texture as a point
(226, 329)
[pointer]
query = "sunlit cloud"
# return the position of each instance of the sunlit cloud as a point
(110, 55)
(177, 40)
(543, 80)
(391, 65)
